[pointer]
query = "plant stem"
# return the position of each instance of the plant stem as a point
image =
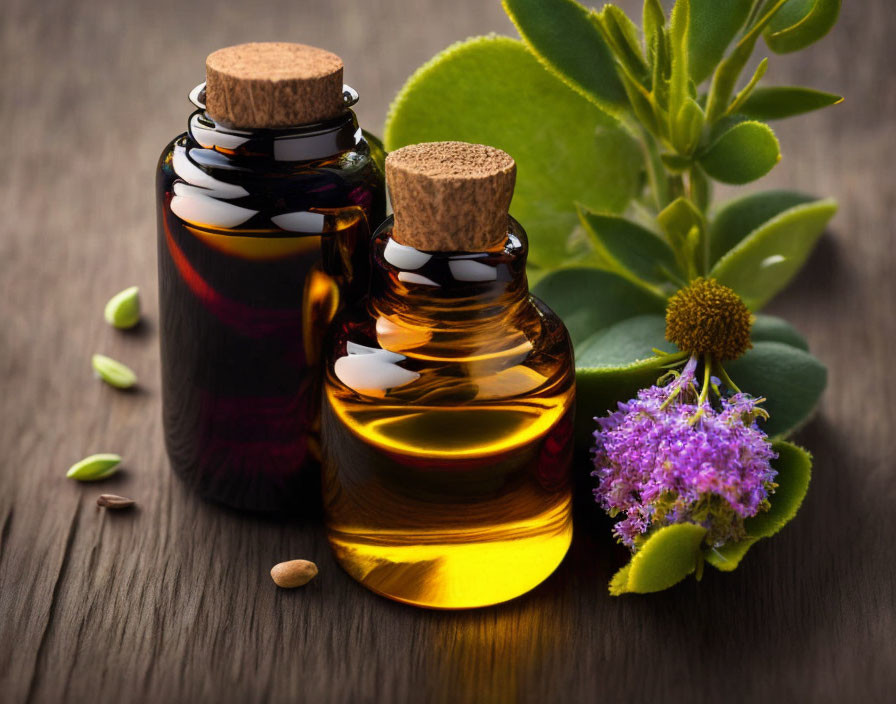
(656, 173)
(702, 252)
(707, 374)
(754, 14)
(704, 391)
(723, 375)
(676, 187)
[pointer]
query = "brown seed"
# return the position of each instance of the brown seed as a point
(114, 501)
(295, 573)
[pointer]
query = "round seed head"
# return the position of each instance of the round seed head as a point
(706, 317)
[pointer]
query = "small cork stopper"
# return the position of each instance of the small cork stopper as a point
(450, 196)
(272, 84)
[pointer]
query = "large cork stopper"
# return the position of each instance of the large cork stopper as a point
(272, 84)
(450, 196)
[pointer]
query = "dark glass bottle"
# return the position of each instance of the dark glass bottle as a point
(447, 425)
(262, 234)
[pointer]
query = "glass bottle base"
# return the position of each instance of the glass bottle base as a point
(457, 569)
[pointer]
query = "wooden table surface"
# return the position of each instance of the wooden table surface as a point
(173, 602)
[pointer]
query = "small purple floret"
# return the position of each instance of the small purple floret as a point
(658, 466)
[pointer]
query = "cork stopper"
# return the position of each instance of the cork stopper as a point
(272, 84)
(450, 196)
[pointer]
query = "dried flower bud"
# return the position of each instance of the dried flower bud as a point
(706, 317)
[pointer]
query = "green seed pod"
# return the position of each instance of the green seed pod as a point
(123, 309)
(94, 468)
(113, 373)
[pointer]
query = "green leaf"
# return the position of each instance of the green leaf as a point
(642, 105)
(676, 164)
(701, 188)
(678, 220)
(621, 35)
(653, 20)
(728, 71)
(678, 36)
(630, 249)
(747, 151)
(794, 467)
(491, 90)
(619, 583)
(613, 364)
(739, 217)
(747, 90)
(687, 127)
(800, 23)
(769, 328)
(714, 23)
(660, 61)
(624, 344)
(777, 102)
(599, 390)
(563, 37)
(763, 263)
(656, 175)
(668, 556)
(589, 300)
(790, 379)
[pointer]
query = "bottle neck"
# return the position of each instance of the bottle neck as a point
(296, 181)
(299, 143)
(448, 302)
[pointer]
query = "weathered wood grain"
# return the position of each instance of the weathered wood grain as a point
(172, 602)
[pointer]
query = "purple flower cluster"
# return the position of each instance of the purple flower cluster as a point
(658, 464)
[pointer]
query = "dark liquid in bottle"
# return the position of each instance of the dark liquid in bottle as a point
(255, 255)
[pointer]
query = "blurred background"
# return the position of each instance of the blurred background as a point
(131, 64)
(107, 82)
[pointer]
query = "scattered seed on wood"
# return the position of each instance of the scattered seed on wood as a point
(123, 309)
(114, 501)
(95, 467)
(295, 573)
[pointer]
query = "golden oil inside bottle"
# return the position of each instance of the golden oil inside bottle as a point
(483, 527)
(446, 428)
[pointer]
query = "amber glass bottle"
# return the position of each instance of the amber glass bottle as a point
(263, 229)
(448, 397)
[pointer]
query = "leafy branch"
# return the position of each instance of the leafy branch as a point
(688, 136)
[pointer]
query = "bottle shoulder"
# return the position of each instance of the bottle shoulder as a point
(211, 187)
(497, 397)
(374, 357)
(360, 160)
(165, 157)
